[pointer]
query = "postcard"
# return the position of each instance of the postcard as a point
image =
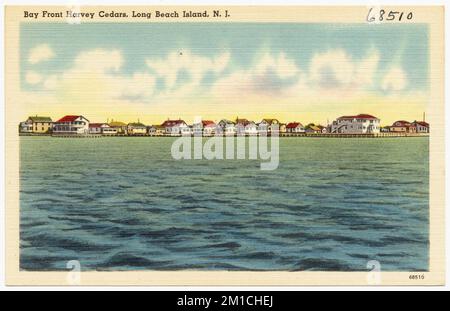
(224, 145)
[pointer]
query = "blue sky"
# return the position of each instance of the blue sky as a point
(324, 57)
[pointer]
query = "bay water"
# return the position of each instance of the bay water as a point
(125, 204)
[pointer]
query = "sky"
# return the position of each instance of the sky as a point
(289, 71)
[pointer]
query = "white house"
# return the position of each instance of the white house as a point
(175, 127)
(251, 129)
(25, 127)
(71, 124)
(421, 126)
(227, 127)
(246, 127)
(186, 130)
(109, 131)
(359, 124)
(98, 128)
(204, 128)
(267, 125)
(295, 127)
(136, 129)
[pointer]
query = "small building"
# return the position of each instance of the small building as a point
(251, 129)
(37, 124)
(187, 130)
(268, 125)
(174, 127)
(402, 126)
(136, 129)
(421, 126)
(245, 127)
(323, 129)
(71, 125)
(240, 125)
(313, 129)
(204, 128)
(358, 124)
(155, 130)
(25, 127)
(159, 130)
(151, 130)
(226, 127)
(109, 131)
(120, 127)
(97, 128)
(295, 127)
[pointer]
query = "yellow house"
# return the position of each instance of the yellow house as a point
(136, 128)
(40, 124)
(119, 126)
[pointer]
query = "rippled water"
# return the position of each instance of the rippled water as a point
(125, 204)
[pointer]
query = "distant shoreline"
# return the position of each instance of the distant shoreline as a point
(290, 135)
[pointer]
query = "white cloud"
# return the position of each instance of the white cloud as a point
(331, 69)
(140, 85)
(99, 60)
(281, 65)
(51, 82)
(96, 82)
(40, 53)
(94, 77)
(336, 69)
(33, 77)
(366, 69)
(394, 80)
(268, 75)
(195, 66)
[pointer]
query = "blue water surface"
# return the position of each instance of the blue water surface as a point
(125, 204)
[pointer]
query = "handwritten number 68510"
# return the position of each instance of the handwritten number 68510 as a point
(382, 15)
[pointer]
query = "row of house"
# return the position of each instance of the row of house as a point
(78, 124)
(403, 126)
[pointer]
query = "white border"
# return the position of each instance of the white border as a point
(214, 288)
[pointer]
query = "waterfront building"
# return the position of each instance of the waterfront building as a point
(119, 126)
(295, 127)
(205, 128)
(151, 130)
(312, 128)
(159, 130)
(25, 127)
(174, 127)
(187, 130)
(97, 128)
(109, 131)
(246, 127)
(240, 125)
(226, 127)
(251, 129)
(37, 124)
(402, 126)
(323, 129)
(136, 129)
(267, 125)
(358, 124)
(421, 126)
(71, 125)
